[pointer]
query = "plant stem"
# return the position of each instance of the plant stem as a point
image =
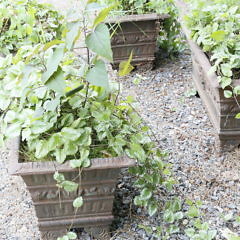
(88, 57)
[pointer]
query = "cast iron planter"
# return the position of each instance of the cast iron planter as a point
(56, 216)
(221, 110)
(137, 34)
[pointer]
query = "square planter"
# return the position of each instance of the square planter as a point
(54, 207)
(137, 34)
(221, 110)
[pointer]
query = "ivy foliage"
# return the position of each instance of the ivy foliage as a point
(169, 39)
(27, 22)
(66, 109)
(215, 27)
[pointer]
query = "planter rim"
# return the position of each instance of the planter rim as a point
(38, 168)
(137, 18)
(182, 6)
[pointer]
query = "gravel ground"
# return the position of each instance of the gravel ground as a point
(183, 130)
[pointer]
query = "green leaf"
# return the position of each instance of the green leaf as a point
(55, 141)
(190, 232)
(102, 15)
(91, 1)
(136, 151)
(67, 120)
(51, 105)
(98, 75)
(13, 130)
(137, 201)
(72, 34)
(78, 202)
(69, 186)
(86, 163)
(146, 194)
(59, 177)
(56, 82)
(60, 155)
(70, 148)
(168, 216)
(176, 205)
(1, 141)
(84, 153)
(72, 235)
(212, 234)
(36, 50)
(236, 90)
(228, 217)
(189, 202)
(63, 238)
(41, 149)
(193, 212)
(218, 35)
(53, 63)
(52, 43)
(225, 81)
(152, 209)
(237, 220)
(227, 94)
(226, 69)
(76, 163)
(99, 42)
(178, 215)
(70, 133)
(125, 67)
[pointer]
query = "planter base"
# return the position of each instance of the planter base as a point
(96, 232)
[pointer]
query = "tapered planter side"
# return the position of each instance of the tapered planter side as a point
(221, 110)
(137, 34)
(54, 207)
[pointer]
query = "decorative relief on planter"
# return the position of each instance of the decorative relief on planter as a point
(55, 210)
(97, 188)
(53, 193)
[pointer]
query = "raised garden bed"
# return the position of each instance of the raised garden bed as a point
(137, 34)
(53, 206)
(221, 110)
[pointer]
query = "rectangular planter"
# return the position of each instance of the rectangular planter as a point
(56, 215)
(221, 110)
(137, 34)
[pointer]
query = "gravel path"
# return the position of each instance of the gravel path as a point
(183, 129)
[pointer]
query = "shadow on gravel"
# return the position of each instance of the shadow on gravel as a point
(123, 206)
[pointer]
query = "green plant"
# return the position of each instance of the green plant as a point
(179, 218)
(169, 38)
(65, 108)
(215, 28)
(26, 22)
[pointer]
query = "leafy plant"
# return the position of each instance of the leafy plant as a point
(215, 28)
(170, 39)
(179, 218)
(26, 22)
